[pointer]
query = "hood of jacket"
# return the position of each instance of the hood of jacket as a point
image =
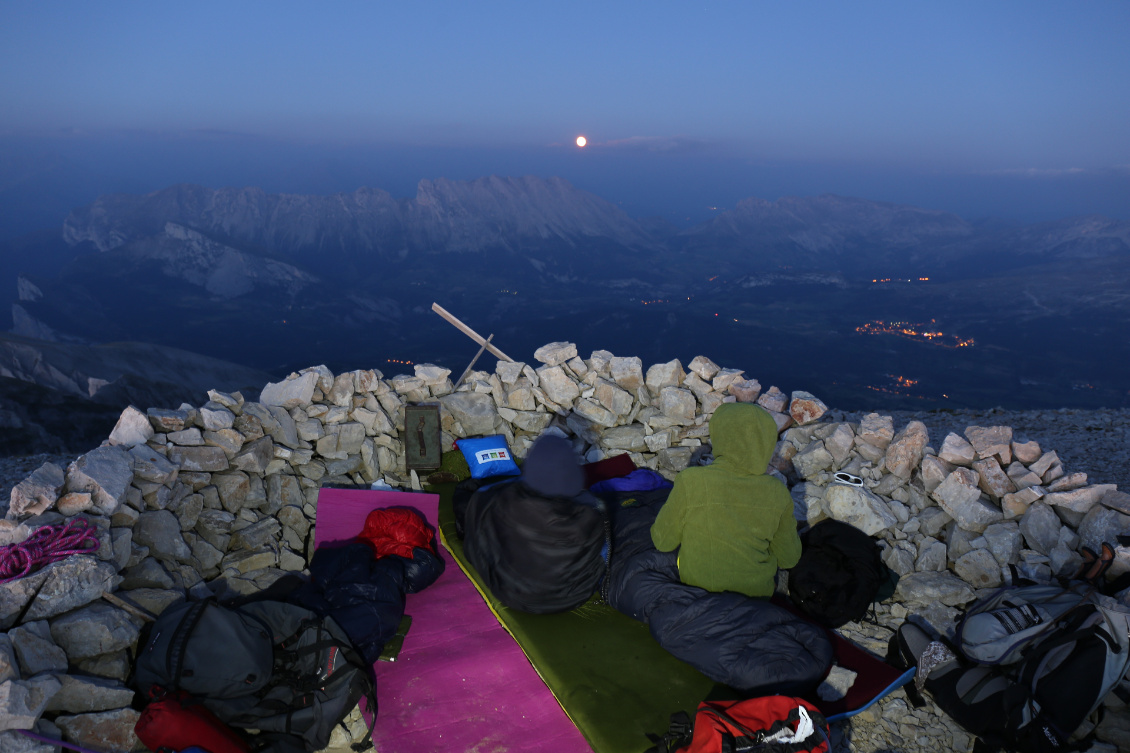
(742, 438)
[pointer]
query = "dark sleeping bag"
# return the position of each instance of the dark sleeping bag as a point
(365, 596)
(536, 553)
(748, 644)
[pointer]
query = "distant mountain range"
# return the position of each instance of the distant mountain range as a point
(278, 281)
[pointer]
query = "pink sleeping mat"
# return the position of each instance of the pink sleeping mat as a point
(461, 682)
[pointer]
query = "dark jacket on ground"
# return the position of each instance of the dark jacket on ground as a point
(365, 596)
(537, 540)
(746, 643)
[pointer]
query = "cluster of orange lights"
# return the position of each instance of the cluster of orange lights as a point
(902, 381)
(914, 332)
(397, 360)
(898, 279)
(661, 300)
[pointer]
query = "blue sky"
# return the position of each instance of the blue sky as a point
(1017, 109)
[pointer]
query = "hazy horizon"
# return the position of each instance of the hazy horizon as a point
(1014, 111)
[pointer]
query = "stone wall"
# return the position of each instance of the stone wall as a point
(223, 497)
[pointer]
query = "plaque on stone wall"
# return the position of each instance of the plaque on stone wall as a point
(422, 449)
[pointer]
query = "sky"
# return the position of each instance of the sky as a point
(1016, 110)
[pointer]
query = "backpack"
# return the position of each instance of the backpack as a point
(1001, 628)
(839, 575)
(1036, 703)
(769, 724)
(176, 721)
(267, 665)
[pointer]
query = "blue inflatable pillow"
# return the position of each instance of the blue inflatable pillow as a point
(488, 456)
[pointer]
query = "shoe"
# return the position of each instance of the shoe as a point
(1098, 569)
(1089, 560)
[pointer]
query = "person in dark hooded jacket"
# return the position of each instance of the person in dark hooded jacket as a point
(538, 541)
(732, 523)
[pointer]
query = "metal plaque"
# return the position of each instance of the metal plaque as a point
(422, 445)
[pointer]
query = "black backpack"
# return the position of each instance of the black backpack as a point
(267, 665)
(839, 575)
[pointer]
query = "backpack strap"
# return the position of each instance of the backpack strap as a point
(678, 735)
(179, 642)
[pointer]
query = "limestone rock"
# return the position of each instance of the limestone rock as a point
(22, 701)
(876, 430)
(957, 450)
(703, 367)
(216, 417)
(934, 471)
(37, 492)
(992, 480)
(934, 588)
(662, 375)
(613, 398)
(105, 473)
(133, 428)
(773, 400)
(36, 650)
(102, 730)
(93, 630)
(905, 451)
(858, 507)
(724, 378)
(1026, 452)
(1102, 524)
(555, 354)
(627, 372)
(960, 496)
(1116, 500)
(745, 390)
(1079, 500)
(167, 421)
(990, 440)
(678, 405)
(806, 408)
(1040, 527)
(979, 569)
(557, 385)
(160, 531)
(199, 459)
(293, 392)
(812, 460)
(475, 412)
(62, 586)
(79, 694)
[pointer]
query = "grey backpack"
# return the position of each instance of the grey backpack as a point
(268, 666)
(1043, 676)
(1001, 628)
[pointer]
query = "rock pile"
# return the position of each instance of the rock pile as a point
(222, 498)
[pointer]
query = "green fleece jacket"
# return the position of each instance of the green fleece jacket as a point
(732, 523)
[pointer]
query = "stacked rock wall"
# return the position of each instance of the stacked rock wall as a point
(226, 493)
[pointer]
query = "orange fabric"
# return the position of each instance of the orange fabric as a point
(396, 531)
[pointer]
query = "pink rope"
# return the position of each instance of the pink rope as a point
(47, 544)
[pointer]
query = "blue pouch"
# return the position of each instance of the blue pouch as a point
(488, 456)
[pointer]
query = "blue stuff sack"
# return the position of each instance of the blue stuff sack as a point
(488, 456)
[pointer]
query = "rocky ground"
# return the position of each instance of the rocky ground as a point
(1092, 441)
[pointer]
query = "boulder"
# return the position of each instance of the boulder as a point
(38, 492)
(858, 507)
(555, 354)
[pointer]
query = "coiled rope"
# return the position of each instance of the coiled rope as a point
(45, 545)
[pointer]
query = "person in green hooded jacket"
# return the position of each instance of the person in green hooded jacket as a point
(732, 523)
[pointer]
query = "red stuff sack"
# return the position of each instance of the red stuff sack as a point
(771, 724)
(178, 721)
(396, 531)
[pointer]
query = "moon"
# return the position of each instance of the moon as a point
(581, 141)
